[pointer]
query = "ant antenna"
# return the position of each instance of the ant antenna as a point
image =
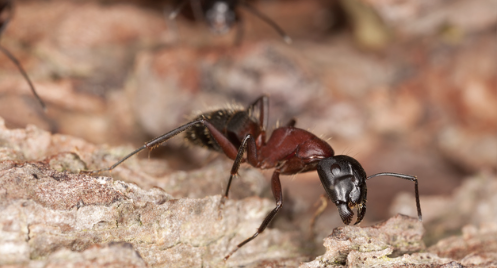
(267, 20)
(406, 177)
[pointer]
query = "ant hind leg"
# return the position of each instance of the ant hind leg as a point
(278, 196)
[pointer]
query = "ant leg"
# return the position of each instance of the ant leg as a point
(267, 20)
(177, 9)
(240, 31)
(278, 196)
(318, 212)
(228, 148)
(406, 177)
(24, 74)
(6, 8)
(152, 144)
(198, 13)
(263, 103)
(251, 157)
(291, 123)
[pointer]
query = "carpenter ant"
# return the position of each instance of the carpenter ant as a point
(5, 17)
(221, 15)
(289, 150)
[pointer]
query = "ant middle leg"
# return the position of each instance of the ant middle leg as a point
(251, 157)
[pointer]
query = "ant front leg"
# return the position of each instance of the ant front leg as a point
(278, 196)
(324, 204)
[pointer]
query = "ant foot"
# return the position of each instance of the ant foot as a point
(231, 253)
(221, 207)
(92, 172)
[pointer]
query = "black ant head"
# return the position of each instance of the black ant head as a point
(220, 16)
(344, 180)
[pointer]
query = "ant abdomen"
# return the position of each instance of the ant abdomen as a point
(199, 135)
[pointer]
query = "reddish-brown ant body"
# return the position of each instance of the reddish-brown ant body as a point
(5, 17)
(222, 15)
(289, 150)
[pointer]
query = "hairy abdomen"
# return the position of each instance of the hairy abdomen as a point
(200, 136)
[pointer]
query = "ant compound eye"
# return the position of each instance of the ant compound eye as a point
(335, 169)
(353, 179)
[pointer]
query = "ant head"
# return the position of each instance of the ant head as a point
(344, 180)
(220, 16)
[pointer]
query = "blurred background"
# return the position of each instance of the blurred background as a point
(402, 86)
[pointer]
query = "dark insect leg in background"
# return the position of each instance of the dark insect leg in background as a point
(222, 15)
(289, 150)
(267, 20)
(240, 31)
(5, 17)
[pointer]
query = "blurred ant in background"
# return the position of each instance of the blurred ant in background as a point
(221, 16)
(289, 150)
(6, 11)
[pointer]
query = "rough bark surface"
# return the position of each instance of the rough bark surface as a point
(53, 216)
(398, 243)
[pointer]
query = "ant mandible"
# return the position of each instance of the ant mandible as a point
(5, 17)
(289, 150)
(221, 15)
